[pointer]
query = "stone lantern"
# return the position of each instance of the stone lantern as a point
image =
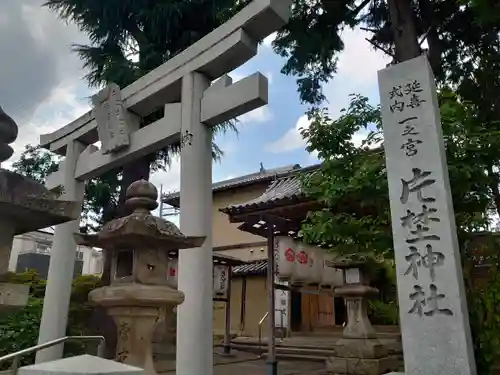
(140, 293)
(25, 206)
(356, 292)
(359, 351)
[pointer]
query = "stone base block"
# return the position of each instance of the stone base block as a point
(362, 366)
(13, 296)
(356, 348)
(81, 365)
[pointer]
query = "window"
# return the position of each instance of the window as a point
(79, 255)
(42, 248)
(124, 263)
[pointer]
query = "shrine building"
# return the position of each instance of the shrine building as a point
(238, 204)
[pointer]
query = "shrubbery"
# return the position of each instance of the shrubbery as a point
(19, 329)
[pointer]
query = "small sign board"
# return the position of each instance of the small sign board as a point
(112, 120)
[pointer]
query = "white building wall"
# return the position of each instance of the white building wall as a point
(39, 241)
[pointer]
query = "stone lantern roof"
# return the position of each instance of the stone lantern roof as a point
(140, 228)
(8, 134)
(29, 206)
(25, 204)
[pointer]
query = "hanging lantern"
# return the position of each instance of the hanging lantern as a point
(172, 270)
(331, 276)
(221, 280)
(285, 257)
(302, 264)
(315, 265)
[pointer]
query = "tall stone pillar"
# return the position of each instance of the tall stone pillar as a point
(61, 268)
(194, 318)
(6, 239)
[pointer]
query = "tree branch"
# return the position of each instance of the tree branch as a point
(359, 8)
(433, 41)
(404, 31)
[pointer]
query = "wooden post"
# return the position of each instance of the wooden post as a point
(227, 333)
(271, 342)
(243, 303)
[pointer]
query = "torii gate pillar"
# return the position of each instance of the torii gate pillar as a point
(194, 344)
(114, 121)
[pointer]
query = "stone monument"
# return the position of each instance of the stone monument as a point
(359, 351)
(432, 304)
(140, 295)
(25, 206)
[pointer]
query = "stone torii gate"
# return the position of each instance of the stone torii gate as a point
(192, 106)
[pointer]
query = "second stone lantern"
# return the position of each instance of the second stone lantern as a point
(139, 295)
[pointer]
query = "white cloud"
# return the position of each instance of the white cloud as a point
(359, 137)
(168, 182)
(259, 115)
(357, 71)
(359, 60)
(268, 40)
(36, 56)
(63, 106)
(228, 177)
(170, 179)
(292, 139)
(270, 77)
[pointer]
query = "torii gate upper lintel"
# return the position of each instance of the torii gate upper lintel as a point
(218, 53)
(192, 107)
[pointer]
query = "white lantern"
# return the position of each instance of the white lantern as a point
(315, 265)
(285, 257)
(331, 276)
(302, 264)
(221, 280)
(172, 276)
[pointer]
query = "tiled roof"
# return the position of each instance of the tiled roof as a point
(284, 190)
(256, 268)
(262, 176)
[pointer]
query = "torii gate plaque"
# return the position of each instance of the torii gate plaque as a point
(192, 107)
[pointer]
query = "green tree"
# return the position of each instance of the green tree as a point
(463, 39)
(454, 31)
(128, 39)
(101, 196)
(36, 163)
(352, 182)
(19, 329)
(131, 38)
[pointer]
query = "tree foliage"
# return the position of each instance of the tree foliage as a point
(36, 163)
(101, 197)
(458, 35)
(128, 39)
(352, 182)
(19, 329)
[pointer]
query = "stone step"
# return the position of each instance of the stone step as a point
(167, 363)
(298, 357)
(324, 353)
(255, 343)
(394, 345)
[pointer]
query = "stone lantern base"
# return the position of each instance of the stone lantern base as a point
(364, 357)
(136, 310)
(360, 352)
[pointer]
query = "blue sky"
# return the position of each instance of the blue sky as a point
(269, 135)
